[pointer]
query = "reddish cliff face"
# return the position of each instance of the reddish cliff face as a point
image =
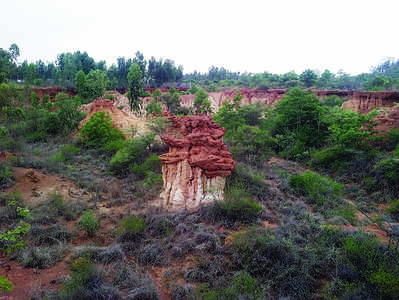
(195, 168)
(52, 91)
(364, 102)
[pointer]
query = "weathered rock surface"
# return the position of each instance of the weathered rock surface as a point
(197, 164)
(121, 119)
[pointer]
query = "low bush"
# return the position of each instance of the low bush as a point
(134, 151)
(89, 223)
(276, 262)
(152, 254)
(56, 234)
(41, 257)
(242, 286)
(104, 255)
(238, 206)
(97, 132)
(364, 268)
(55, 206)
(5, 284)
(385, 176)
(132, 224)
(66, 153)
(317, 189)
(6, 175)
(86, 282)
(393, 210)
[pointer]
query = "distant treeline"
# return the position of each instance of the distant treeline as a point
(157, 73)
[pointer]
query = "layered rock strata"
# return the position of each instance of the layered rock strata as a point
(197, 164)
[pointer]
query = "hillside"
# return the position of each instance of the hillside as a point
(246, 194)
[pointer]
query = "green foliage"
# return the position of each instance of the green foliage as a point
(237, 206)
(393, 209)
(151, 164)
(317, 189)
(81, 84)
(42, 257)
(5, 284)
(6, 174)
(12, 240)
(66, 153)
(46, 102)
(300, 116)
(308, 78)
(172, 100)
(276, 262)
(347, 128)
(96, 82)
(386, 177)
(135, 86)
(133, 224)
(154, 108)
(242, 286)
(34, 100)
(332, 101)
(97, 132)
(246, 131)
(202, 105)
(89, 223)
(133, 151)
(3, 132)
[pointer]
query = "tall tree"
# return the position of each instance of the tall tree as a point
(135, 85)
(308, 78)
(202, 105)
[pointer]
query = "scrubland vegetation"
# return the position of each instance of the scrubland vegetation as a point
(311, 183)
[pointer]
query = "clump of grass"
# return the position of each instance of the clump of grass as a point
(89, 222)
(104, 255)
(317, 189)
(237, 207)
(6, 175)
(41, 257)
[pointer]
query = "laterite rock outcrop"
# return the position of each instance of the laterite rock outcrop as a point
(197, 164)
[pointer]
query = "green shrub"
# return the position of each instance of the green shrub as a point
(393, 209)
(154, 108)
(109, 96)
(237, 206)
(66, 153)
(133, 151)
(152, 179)
(3, 132)
(242, 286)
(34, 100)
(317, 189)
(97, 132)
(151, 164)
(86, 282)
(132, 224)
(89, 223)
(6, 175)
(12, 239)
(349, 213)
(386, 177)
(5, 284)
(41, 257)
(276, 262)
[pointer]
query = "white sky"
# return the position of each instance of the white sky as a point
(254, 36)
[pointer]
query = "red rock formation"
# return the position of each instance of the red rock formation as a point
(52, 91)
(197, 164)
(101, 105)
(388, 118)
(364, 102)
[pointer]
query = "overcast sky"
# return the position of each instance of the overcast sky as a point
(254, 36)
